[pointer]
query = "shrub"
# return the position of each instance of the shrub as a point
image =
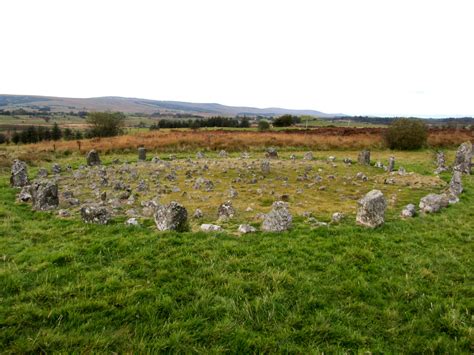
(285, 121)
(406, 134)
(105, 124)
(263, 125)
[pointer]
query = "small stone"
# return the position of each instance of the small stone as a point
(197, 214)
(132, 222)
(64, 213)
(337, 217)
(210, 228)
(271, 153)
(409, 211)
(246, 228)
(391, 164)
(225, 211)
(56, 169)
(308, 156)
(95, 214)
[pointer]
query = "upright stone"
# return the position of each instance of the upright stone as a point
(44, 195)
(371, 211)
(278, 219)
(308, 156)
(19, 176)
(265, 167)
(455, 185)
(271, 153)
(172, 216)
(463, 158)
(141, 154)
(364, 157)
(391, 164)
(440, 162)
(93, 158)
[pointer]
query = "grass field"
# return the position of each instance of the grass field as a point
(407, 287)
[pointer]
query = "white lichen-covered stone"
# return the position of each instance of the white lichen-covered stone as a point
(172, 216)
(278, 219)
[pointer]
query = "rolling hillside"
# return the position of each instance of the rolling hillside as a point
(144, 106)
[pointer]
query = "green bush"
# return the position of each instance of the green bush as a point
(263, 125)
(406, 134)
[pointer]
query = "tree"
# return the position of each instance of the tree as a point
(244, 122)
(263, 125)
(16, 137)
(3, 138)
(56, 133)
(406, 134)
(285, 121)
(68, 134)
(105, 124)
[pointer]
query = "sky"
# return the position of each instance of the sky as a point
(364, 57)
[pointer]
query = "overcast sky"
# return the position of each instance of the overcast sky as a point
(375, 57)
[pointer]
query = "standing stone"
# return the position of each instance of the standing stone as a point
(93, 158)
(95, 214)
(172, 216)
(463, 158)
(371, 211)
(433, 203)
(265, 167)
(308, 156)
(223, 154)
(271, 153)
(455, 186)
(440, 163)
(141, 154)
(391, 164)
(364, 157)
(278, 219)
(56, 169)
(225, 211)
(19, 176)
(42, 173)
(409, 211)
(44, 195)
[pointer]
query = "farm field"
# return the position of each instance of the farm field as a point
(337, 287)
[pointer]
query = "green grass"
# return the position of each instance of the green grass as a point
(69, 287)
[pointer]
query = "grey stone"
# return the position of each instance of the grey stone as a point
(197, 214)
(42, 173)
(278, 219)
(371, 209)
(172, 216)
(361, 176)
(93, 158)
(44, 195)
(210, 228)
(202, 183)
(95, 214)
(271, 153)
(265, 167)
(56, 169)
(25, 194)
(141, 154)
(19, 174)
(440, 163)
(308, 156)
(223, 154)
(246, 228)
(225, 211)
(200, 155)
(364, 157)
(64, 213)
(337, 217)
(132, 222)
(433, 203)
(408, 211)
(391, 164)
(455, 185)
(463, 158)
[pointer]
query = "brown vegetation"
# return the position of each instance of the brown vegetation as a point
(315, 139)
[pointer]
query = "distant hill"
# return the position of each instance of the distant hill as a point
(143, 106)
